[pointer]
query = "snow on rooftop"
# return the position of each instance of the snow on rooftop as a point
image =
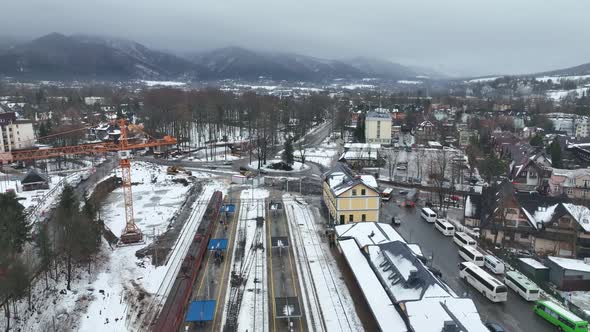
(429, 315)
(381, 306)
(533, 263)
(570, 263)
(369, 180)
(580, 213)
(361, 233)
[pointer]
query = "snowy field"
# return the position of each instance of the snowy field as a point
(120, 288)
(163, 83)
(325, 297)
(559, 78)
(325, 154)
(558, 95)
(297, 166)
(251, 264)
(219, 153)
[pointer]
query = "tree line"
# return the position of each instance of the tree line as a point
(57, 248)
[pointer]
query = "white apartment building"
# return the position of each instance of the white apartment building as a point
(378, 128)
(582, 127)
(15, 134)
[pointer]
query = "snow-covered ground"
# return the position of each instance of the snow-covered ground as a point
(558, 95)
(120, 285)
(409, 82)
(253, 309)
(326, 298)
(324, 154)
(297, 166)
(220, 153)
(163, 83)
(556, 79)
(483, 79)
(580, 299)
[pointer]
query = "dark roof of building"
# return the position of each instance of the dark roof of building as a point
(33, 176)
(412, 276)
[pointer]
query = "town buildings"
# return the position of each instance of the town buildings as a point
(378, 128)
(350, 198)
(15, 134)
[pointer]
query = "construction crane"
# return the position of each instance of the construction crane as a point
(131, 233)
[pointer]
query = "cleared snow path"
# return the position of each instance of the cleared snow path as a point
(330, 304)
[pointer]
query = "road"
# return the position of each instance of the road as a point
(515, 315)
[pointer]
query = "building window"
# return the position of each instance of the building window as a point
(363, 217)
(341, 219)
(363, 192)
(353, 192)
(350, 218)
(524, 236)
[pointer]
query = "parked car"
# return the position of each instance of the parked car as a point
(495, 327)
(401, 168)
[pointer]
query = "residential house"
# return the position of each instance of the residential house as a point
(34, 181)
(532, 173)
(349, 197)
(569, 274)
(359, 155)
(574, 183)
(545, 225)
(378, 128)
(425, 132)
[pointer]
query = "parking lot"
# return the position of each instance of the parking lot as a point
(515, 315)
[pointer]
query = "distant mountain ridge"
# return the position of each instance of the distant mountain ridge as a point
(56, 56)
(583, 69)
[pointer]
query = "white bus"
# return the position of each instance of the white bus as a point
(489, 286)
(493, 264)
(445, 227)
(428, 215)
(462, 239)
(471, 254)
(386, 194)
(522, 285)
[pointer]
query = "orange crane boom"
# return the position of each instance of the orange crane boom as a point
(131, 233)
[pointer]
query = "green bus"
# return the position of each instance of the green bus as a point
(560, 317)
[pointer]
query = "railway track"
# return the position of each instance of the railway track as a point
(311, 251)
(175, 261)
(248, 276)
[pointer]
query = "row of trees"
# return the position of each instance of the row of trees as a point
(73, 239)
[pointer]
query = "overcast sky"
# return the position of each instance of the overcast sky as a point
(461, 37)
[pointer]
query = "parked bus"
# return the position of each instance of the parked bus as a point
(493, 264)
(483, 282)
(445, 227)
(471, 254)
(386, 194)
(522, 285)
(560, 317)
(428, 215)
(462, 239)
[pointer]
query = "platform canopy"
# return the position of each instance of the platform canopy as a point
(228, 208)
(201, 311)
(217, 244)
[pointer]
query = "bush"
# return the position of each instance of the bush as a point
(281, 166)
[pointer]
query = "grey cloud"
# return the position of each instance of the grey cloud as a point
(456, 36)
